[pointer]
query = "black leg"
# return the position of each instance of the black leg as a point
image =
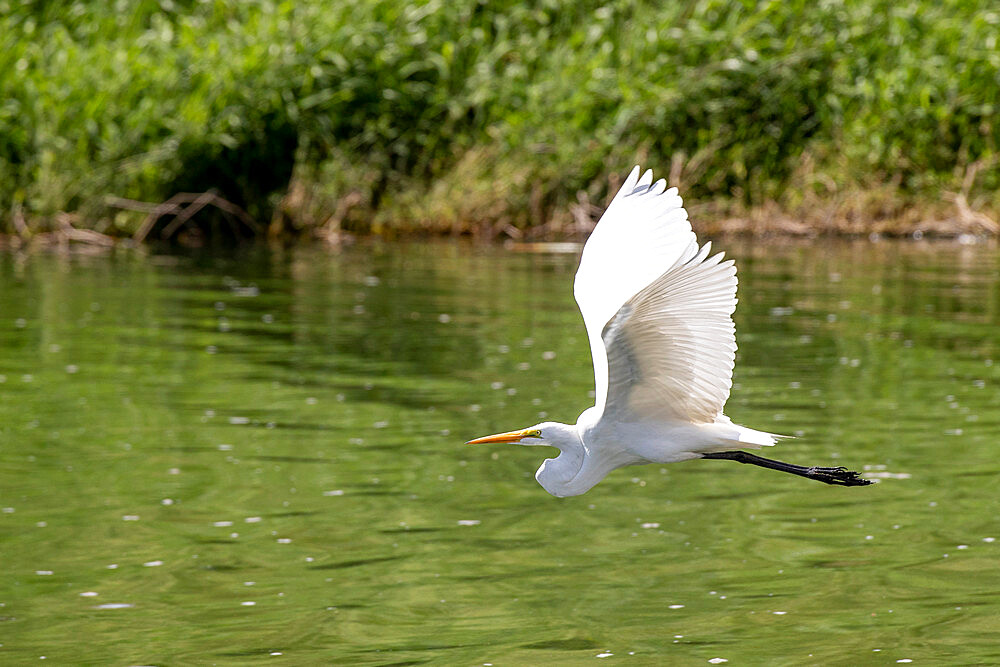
(838, 475)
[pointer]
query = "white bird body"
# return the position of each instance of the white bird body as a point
(658, 311)
(598, 444)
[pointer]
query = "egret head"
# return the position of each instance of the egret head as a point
(548, 434)
(555, 475)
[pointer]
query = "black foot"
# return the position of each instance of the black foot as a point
(839, 475)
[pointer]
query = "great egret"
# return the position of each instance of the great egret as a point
(658, 311)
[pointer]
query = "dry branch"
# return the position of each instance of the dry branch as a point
(183, 206)
(70, 233)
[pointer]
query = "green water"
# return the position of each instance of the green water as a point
(260, 459)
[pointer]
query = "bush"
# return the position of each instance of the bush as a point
(446, 115)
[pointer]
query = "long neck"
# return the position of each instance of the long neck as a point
(556, 475)
(579, 467)
(575, 471)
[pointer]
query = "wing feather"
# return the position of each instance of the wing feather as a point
(671, 347)
(643, 233)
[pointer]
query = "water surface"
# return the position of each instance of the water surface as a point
(260, 458)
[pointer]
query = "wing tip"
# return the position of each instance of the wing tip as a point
(640, 185)
(629, 185)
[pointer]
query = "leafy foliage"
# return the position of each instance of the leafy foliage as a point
(443, 112)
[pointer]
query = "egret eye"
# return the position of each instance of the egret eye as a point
(534, 433)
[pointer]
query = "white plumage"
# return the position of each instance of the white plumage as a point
(658, 311)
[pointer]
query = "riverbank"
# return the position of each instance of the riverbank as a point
(870, 215)
(382, 118)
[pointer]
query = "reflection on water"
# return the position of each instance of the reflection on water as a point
(212, 460)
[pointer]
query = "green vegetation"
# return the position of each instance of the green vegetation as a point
(385, 115)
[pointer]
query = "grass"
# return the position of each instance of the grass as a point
(383, 116)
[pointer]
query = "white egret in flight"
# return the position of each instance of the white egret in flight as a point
(658, 311)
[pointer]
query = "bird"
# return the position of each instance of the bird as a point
(658, 313)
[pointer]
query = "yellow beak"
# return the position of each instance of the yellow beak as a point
(510, 436)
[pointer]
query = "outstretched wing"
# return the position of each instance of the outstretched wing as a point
(643, 233)
(672, 346)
